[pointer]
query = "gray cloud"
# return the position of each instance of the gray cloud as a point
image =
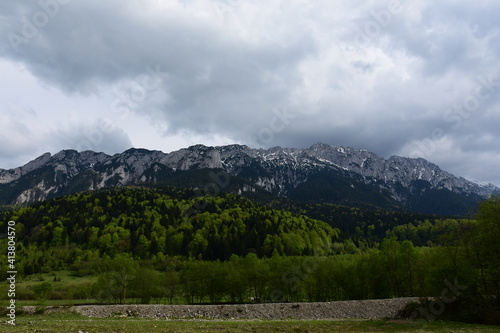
(24, 138)
(358, 73)
(99, 135)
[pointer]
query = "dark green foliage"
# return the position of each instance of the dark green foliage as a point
(485, 248)
(169, 245)
(467, 281)
(356, 223)
(146, 223)
(42, 291)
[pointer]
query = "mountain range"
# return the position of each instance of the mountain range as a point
(320, 173)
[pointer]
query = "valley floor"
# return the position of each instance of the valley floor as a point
(343, 316)
(70, 322)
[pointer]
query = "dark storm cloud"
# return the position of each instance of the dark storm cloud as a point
(214, 82)
(365, 74)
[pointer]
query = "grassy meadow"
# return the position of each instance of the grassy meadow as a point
(69, 322)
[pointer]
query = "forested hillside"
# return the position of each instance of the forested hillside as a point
(360, 223)
(167, 245)
(146, 223)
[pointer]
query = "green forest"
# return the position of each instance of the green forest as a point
(137, 245)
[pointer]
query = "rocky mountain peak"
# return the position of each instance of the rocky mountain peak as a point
(278, 170)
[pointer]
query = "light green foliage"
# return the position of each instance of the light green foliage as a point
(42, 291)
(116, 280)
(149, 223)
(147, 246)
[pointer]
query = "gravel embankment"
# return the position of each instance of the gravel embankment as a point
(382, 308)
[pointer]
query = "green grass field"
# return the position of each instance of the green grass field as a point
(69, 322)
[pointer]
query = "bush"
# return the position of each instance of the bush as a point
(473, 309)
(410, 310)
(466, 308)
(80, 291)
(24, 293)
(42, 291)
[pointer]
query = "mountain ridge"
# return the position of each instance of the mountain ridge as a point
(277, 170)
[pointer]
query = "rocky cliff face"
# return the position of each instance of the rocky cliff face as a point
(277, 170)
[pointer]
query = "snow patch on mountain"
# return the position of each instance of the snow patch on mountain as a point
(275, 169)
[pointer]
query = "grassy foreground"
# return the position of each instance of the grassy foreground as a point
(68, 322)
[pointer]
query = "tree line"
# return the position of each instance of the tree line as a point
(149, 224)
(151, 246)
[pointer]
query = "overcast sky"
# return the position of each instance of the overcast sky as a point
(415, 78)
